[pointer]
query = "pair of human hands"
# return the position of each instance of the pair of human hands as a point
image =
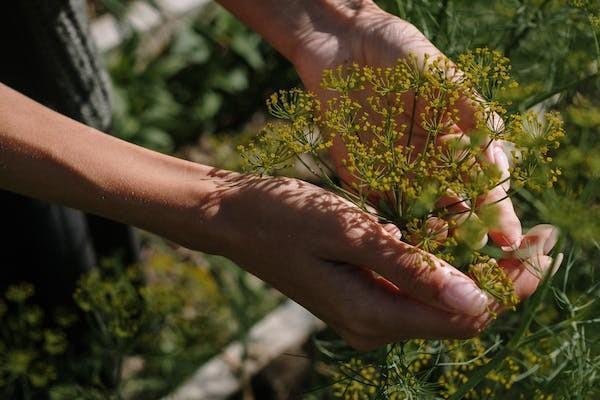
(341, 263)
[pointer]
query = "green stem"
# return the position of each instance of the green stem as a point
(536, 100)
(517, 34)
(441, 20)
(397, 200)
(401, 206)
(412, 119)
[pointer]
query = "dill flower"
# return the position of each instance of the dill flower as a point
(402, 153)
(534, 141)
(495, 282)
(395, 124)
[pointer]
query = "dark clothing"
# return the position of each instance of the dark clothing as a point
(48, 55)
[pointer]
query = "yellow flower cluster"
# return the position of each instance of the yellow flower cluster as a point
(535, 139)
(403, 372)
(280, 143)
(592, 9)
(404, 151)
(489, 72)
(397, 375)
(494, 281)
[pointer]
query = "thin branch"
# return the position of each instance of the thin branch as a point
(536, 100)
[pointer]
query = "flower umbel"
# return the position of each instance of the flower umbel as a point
(404, 152)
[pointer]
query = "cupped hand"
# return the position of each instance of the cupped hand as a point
(375, 38)
(342, 265)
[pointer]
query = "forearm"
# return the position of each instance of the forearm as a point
(48, 156)
(287, 24)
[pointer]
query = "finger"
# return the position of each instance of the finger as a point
(393, 230)
(453, 203)
(470, 230)
(415, 272)
(500, 159)
(467, 112)
(437, 228)
(524, 282)
(434, 230)
(464, 225)
(527, 274)
(528, 265)
(506, 227)
(539, 240)
(384, 315)
(456, 147)
(367, 311)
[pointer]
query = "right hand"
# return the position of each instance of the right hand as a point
(375, 38)
(340, 263)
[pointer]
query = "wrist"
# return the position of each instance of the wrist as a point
(53, 158)
(206, 225)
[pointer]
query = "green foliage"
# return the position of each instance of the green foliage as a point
(29, 345)
(551, 43)
(211, 76)
(575, 205)
(168, 313)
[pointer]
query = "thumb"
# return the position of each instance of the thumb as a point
(416, 273)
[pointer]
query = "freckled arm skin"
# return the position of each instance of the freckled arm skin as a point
(49, 156)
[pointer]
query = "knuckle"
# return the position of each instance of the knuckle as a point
(357, 327)
(360, 344)
(422, 270)
(468, 329)
(350, 228)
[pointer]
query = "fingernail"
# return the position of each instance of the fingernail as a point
(464, 298)
(556, 263)
(539, 240)
(551, 240)
(512, 247)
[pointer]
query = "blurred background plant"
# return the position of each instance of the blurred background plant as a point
(196, 88)
(211, 75)
(149, 326)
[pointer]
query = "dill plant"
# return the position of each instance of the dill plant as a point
(166, 312)
(406, 163)
(399, 175)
